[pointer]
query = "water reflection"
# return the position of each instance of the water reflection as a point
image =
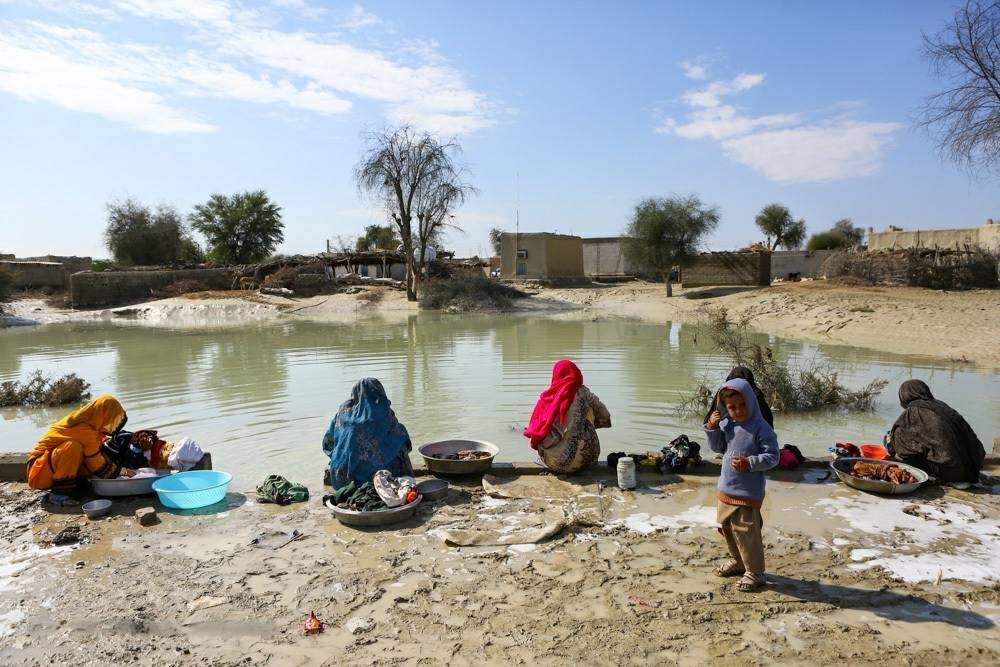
(260, 395)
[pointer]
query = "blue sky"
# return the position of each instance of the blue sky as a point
(568, 113)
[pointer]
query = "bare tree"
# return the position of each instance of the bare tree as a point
(434, 208)
(415, 177)
(965, 118)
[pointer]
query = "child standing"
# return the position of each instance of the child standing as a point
(736, 429)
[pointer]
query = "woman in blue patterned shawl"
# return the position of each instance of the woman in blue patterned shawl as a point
(365, 437)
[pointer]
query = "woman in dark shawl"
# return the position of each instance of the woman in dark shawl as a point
(934, 437)
(744, 373)
(365, 437)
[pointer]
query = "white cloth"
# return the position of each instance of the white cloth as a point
(185, 455)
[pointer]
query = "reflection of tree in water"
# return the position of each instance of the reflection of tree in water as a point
(659, 375)
(522, 339)
(448, 362)
(247, 363)
(141, 354)
(37, 416)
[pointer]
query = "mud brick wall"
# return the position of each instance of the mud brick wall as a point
(792, 264)
(32, 275)
(90, 289)
(728, 268)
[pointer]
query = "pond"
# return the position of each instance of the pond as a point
(259, 395)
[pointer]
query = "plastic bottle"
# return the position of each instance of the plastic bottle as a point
(626, 473)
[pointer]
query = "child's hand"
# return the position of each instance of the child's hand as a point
(741, 464)
(713, 420)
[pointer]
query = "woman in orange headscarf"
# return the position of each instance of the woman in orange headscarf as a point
(563, 423)
(71, 448)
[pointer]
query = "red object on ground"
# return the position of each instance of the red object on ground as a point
(312, 624)
(874, 452)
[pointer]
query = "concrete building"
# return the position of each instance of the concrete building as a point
(541, 256)
(987, 237)
(602, 257)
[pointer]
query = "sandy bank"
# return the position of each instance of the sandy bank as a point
(959, 327)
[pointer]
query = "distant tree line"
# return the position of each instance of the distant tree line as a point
(243, 228)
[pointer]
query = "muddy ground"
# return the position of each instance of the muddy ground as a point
(625, 577)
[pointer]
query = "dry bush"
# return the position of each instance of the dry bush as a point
(475, 294)
(179, 287)
(370, 296)
(40, 390)
(787, 388)
(970, 268)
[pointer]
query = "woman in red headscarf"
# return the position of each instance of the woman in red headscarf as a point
(563, 423)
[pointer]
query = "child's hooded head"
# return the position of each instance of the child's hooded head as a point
(738, 402)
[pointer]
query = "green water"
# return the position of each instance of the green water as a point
(259, 396)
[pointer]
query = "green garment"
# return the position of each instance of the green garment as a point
(362, 498)
(277, 489)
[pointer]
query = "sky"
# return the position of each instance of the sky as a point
(568, 113)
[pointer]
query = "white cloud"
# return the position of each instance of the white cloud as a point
(359, 19)
(710, 95)
(783, 146)
(40, 75)
(232, 54)
(196, 12)
(724, 121)
(814, 154)
(303, 8)
(694, 70)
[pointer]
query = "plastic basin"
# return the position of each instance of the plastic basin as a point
(874, 452)
(192, 489)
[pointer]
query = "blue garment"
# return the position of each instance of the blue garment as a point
(365, 437)
(752, 438)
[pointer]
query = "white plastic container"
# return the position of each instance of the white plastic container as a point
(626, 473)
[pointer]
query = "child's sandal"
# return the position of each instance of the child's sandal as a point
(751, 582)
(731, 568)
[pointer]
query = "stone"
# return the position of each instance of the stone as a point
(146, 516)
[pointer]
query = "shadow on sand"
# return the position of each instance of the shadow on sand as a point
(887, 604)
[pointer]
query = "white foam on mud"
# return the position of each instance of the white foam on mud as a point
(644, 523)
(942, 541)
(12, 578)
(489, 502)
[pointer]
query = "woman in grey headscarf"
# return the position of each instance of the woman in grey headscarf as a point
(935, 438)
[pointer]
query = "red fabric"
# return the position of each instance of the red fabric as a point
(786, 459)
(554, 401)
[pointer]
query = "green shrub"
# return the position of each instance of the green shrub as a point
(831, 240)
(39, 390)
(473, 294)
